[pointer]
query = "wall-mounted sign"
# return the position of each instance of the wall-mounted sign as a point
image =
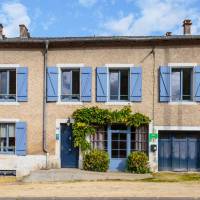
(153, 137)
(57, 136)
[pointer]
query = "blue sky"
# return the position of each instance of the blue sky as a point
(98, 17)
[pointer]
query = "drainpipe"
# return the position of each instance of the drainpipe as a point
(45, 150)
(154, 79)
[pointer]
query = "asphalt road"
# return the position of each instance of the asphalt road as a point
(101, 198)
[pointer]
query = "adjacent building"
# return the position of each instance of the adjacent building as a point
(44, 80)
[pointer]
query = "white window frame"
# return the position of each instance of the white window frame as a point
(10, 66)
(116, 66)
(182, 65)
(67, 66)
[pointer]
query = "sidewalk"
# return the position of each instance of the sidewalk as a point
(61, 175)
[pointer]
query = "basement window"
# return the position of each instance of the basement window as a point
(7, 85)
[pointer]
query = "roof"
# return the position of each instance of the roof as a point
(100, 41)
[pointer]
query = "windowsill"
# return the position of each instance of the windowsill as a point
(69, 103)
(9, 103)
(7, 154)
(118, 103)
(183, 103)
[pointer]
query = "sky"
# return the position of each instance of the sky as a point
(56, 18)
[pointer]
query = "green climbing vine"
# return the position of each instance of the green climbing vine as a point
(86, 119)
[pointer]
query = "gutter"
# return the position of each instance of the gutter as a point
(45, 149)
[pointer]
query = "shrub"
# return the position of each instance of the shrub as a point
(137, 162)
(96, 160)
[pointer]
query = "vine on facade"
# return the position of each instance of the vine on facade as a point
(86, 119)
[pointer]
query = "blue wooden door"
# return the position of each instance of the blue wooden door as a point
(69, 154)
(193, 154)
(118, 148)
(165, 155)
(179, 154)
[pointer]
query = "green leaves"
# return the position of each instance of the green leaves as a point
(137, 162)
(96, 160)
(87, 118)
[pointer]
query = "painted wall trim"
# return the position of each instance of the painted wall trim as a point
(69, 103)
(182, 64)
(177, 128)
(68, 65)
(183, 103)
(115, 103)
(9, 65)
(120, 65)
(6, 120)
(9, 103)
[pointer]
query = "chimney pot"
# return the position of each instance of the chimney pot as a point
(187, 26)
(23, 31)
(168, 34)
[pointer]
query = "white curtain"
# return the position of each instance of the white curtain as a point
(11, 130)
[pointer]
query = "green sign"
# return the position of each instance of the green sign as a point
(153, 137)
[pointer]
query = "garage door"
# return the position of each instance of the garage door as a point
(179, 151)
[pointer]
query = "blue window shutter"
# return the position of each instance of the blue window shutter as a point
(101, 81)
(165, 73)
(86, 84)
(52, 84)
(197, 83)
(136, 84)
(21, 138)
(22, 84)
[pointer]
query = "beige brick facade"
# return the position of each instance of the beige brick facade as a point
(31, 111)
(165, 114)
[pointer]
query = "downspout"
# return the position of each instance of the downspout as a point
(45, 150)
(154, 80)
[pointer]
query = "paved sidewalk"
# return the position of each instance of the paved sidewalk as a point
(61, 175)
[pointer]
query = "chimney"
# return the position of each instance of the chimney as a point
(1, 32)
(187, 26)
(168, 34)
(23, 31)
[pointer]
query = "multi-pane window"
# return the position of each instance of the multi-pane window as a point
(119, 84)
(99, 139)
(7, 138)
(139, 139)
(181, 84)
(70, 86)
(119, 145)
(119, 141)
(8, 85)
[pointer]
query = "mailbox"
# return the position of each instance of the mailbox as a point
(153, 147)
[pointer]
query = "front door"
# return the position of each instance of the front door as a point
(118, 147)
(69, 154)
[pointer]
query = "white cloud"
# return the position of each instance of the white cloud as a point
(47, 24)
(11, 15)
(87, 3)
(120, 26)
(155, 16)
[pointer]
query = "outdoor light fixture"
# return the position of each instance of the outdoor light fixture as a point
(68, 122)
